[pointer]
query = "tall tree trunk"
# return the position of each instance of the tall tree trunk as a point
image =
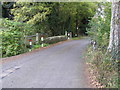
(114, 43)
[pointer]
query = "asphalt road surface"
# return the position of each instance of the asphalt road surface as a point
(60, 66)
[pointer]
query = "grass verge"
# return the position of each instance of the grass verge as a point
(103, 68)
(38, 46)
(77, 38)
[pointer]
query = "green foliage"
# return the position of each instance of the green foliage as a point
(54, 18)
(100, 60)
(38, 46)
(78, 38)
(100, 27)
(99, 31)
(31, 13)
(105, 67)
(42, 17)
(13, 37)
(45, 45)
(66, 16)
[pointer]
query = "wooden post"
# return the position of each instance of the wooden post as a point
(37, 38)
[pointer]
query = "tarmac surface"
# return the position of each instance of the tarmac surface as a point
(60, 66)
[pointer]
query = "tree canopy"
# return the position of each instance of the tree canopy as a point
(48, 18)
(55, 18)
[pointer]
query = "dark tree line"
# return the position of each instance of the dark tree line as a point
(55, 18)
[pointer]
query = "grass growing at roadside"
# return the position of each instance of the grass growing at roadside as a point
(105, 68)
(38, 46)
(77, 38)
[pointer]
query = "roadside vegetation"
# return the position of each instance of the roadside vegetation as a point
(49, 19)
(103, 63)
(12, 37)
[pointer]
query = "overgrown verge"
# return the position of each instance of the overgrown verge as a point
(14, 41)
(104, 67)
(77, 38)
(13, 37)
(102, 63)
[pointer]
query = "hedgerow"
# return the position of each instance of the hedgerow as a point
(13, 37)
(100, 60)
(105, 67)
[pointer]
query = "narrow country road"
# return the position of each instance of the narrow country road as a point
(60, 66)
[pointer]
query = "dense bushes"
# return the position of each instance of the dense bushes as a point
(100, 60)
(13, 40)
(100, 30)
(13, 37)
(100, 26)
(54, 18)
(105, 68)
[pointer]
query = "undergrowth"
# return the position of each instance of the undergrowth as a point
(78, 38)
(105, 67)
(38, 46)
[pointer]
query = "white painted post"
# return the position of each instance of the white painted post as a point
(30, 42)
(68, 35)
(42, 39)
(94, 45)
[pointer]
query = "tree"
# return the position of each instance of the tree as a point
(114, 42)
(6, 6)
(54, 17)
(33, 13)
(99, 26)
(70, 16)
